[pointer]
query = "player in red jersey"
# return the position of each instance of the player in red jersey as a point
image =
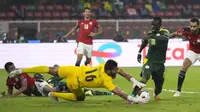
(26, 84)
(86, 34)
(192, 33)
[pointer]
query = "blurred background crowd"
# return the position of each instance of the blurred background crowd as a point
(107, 10)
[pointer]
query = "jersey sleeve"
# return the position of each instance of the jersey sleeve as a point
(166, 33)
(23, 76)
(108, 84)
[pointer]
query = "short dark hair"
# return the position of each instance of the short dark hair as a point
(87, 8)
(7, 65)
(194, 20)
(158, 18)
(55, 65)
(38, 76)
(110, 64)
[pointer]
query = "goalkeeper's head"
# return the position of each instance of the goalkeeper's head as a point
(9, 67)
(111, 68)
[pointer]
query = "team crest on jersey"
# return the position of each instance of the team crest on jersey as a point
(147, 66)
(82, 23)
(90, 23)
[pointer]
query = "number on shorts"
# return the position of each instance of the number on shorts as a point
(89, 76)
(86, 26)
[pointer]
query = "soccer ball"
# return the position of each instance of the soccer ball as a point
(143, 97)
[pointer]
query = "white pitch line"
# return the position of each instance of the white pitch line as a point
(173, 91)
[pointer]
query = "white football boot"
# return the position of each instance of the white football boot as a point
(177, 94)
(53, 98)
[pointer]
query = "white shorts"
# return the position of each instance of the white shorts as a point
(40, 87)
(192, 56)
(85, 49)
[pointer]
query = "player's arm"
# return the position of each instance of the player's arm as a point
(71, 31)
(24, 84)
(173, 35)
(181, 32)
(122, 94)
(99, 30)
(143, 45)
(130, 78)
(124, 74)
(10, 89)
(117, 91)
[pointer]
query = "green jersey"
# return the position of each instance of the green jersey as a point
(158, 43)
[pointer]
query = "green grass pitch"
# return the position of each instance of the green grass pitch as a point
(185, 103)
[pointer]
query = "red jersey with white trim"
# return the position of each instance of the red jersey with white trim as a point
(16, 81)
(194, 39)
(85, 28)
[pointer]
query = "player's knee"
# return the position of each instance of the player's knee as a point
(186, 64)
(80, 98)
(145, 78)
(53, 71)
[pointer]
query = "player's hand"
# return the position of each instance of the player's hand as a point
(139, 56)
(92, 34)
(139, 84)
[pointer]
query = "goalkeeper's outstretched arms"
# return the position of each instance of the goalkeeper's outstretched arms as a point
(130, 78)
(122, 94)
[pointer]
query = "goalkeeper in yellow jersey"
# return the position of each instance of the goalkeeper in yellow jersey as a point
(77, 78)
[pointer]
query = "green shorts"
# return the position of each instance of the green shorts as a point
(155, 69)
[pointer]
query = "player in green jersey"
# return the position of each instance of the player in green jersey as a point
(153, 63)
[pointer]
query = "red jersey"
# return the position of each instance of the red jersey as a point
(85, 28)
(194, 39)
(16, 82)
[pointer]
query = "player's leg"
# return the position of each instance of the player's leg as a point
(37, 69)
(89, 92)
(188, 61)
(77, 95)
(44, 88)
(77, 92)
(88, 60)
(146, 73)
(80, 53)
(158, 78)
(88, 49)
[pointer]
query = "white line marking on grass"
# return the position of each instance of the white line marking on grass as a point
(173, 91)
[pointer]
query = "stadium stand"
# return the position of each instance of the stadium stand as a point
(101, 9)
